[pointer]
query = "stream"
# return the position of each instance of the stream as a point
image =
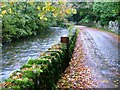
(16, 54)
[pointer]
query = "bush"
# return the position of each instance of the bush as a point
(21, 19)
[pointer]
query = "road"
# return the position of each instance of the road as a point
(101, 53)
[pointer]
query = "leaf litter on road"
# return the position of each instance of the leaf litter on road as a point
(77, 75)
(89, 66)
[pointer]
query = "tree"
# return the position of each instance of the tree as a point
(21, 19)
(84, 13)
(107, 11)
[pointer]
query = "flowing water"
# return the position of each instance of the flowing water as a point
(16, 54)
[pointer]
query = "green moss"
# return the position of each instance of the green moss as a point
(16, 87)
(26, 66)
(46, 69)
(38, 61)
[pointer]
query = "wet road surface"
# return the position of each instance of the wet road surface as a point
(97, 65)
(101, 50)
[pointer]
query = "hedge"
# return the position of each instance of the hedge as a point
(44, 71)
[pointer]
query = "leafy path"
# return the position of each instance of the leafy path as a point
(77, 75)
(94, 63)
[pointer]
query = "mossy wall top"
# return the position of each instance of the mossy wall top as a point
(44, 71)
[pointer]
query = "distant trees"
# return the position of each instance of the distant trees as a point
(84, 13)
(87, 12)
(107, 11)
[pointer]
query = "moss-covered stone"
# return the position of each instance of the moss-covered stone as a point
(44, 71)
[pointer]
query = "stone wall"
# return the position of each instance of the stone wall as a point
(43, 72)
(113, 26)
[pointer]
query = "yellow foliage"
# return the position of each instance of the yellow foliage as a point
(4, 12)
(52, 8)
(55, 14)
(48, 3)
(60, 2)
(1, 15)
(41, 17)
(48, 8)
(3, 5)
(30, 2)
(60, 12)
(30, 69)
(41, 14)
(68, 11)
(43, 8)
(45, 19)
(9, 10)
(38, 7)
(14, 77)
(12, 1)
(74, 11)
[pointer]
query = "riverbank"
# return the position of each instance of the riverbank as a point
(49, 65)
(16, 54)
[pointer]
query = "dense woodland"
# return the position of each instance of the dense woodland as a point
(96, 11)
(21, 19)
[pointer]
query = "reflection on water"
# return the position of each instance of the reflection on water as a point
(15, 54)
